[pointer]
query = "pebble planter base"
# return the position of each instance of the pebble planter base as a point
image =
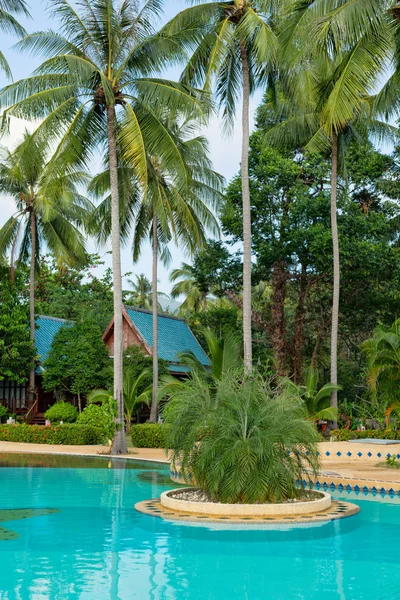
(322, 502)
(337, 510)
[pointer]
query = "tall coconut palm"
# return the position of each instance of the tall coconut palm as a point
(9, 9)
(329, 77)
(96, 87)
(173, 209)
(233, 43)
(185, 284)
(49, 211)
(142, 293)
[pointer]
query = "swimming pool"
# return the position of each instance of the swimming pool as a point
(93, 545)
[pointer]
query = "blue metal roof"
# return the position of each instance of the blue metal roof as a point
(45, 330)
(174, 335)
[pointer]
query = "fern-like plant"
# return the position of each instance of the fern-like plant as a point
(243, 442)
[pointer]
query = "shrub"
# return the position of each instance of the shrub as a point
(71, 434)
(61, 411)
(78, 435)
(256, 443)
(343, 435)
(149, 435)
(4, 412)
(96, 416)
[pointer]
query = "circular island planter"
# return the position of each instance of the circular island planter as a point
(321, 503)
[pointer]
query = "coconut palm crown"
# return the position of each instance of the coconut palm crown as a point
(50, 213)
(233, 46)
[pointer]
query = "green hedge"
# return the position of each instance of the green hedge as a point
(69, 434)
(149, 435)
(343, 435)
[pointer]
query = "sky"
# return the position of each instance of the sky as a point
(224, 151)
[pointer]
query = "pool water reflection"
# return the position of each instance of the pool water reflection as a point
(97, 547)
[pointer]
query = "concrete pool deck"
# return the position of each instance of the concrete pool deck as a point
(358, 469)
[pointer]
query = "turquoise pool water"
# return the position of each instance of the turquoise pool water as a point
(97, 547)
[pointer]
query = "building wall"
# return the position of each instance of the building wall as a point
(130, 338)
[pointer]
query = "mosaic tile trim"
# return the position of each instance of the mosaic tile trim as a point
(367, 486)
(354, 454)
(338, 510)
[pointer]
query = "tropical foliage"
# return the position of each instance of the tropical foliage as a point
(311, 182)
(243, 444)
(135, 394)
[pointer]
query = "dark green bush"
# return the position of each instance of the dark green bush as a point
(61, 411)
(343, 435)
(70, 434)
(4, 412)
(149, 435)
(95, 415)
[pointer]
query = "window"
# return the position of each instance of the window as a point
(12, 394)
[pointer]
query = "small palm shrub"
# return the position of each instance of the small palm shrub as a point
(242, 442)
(61, 411)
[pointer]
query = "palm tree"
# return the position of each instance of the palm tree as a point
(49, 210)
(186, 285)
(328, 98)
(224, 354)
(142, 293)
(95, 88)
(256, 445)
(173, 209)
(315, 401)
(233, 43)
(134, 394)
(9, 24)
(383, 353)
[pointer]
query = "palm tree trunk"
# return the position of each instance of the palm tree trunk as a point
(119, 442)
(153, 410)
(247, 339)
(32, 301)
(336, 272)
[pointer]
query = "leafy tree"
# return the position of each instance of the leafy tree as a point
(96, 86)
(49, 211)
(221, 320)
(255, 443)
(74, 293)
(17, 351)
(233, 42)
(78, 360)
(290, 197)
